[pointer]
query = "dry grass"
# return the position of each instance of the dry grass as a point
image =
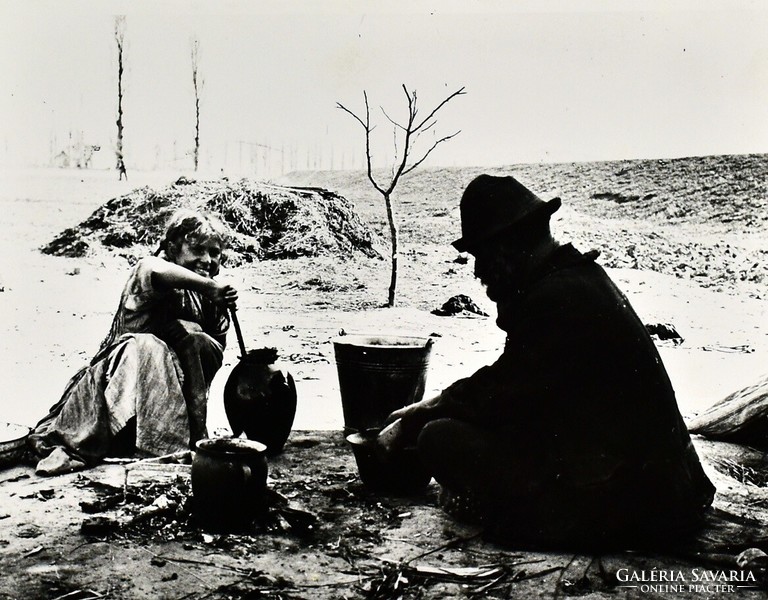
(264, 221)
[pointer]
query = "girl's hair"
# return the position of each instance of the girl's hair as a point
(190, 225)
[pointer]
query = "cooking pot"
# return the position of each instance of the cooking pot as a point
(229, 483)
(13, 444)
(398, 472)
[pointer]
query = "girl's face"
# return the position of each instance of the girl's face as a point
(203, 256)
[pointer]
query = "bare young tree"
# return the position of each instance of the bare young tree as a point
(120, 40)
(197, 83)
(409, 132)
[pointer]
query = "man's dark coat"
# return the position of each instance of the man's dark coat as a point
(580, 395)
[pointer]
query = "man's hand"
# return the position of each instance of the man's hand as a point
(425, 411)
(412, 419)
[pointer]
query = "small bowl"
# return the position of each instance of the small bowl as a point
(399, 473)
(13, 444)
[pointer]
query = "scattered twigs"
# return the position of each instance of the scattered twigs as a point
(173, 457)
(213, 565)
(457, 573)
(522, 575)
(559, 582)
(35, 550)
(205, 583)
(741, 472)
(329, 583)
(79, 595)
(391, 579)
(485, 587)
(457, 541)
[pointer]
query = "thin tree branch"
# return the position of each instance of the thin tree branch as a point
(428, 152)
(368, 129)
(395, 123)
(409, 129)
(459, 92)
(368, 156)
(366, 125)
(426, 128)
(417, 135)
(358, 119)
(411, 104)
(394, 158)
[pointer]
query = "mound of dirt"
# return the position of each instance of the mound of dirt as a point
(265, 221)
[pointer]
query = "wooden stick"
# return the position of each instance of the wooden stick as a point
(236, 323)
(115, 460)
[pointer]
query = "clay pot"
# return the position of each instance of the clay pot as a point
(397, 473)
(260, 400)
(229, 483)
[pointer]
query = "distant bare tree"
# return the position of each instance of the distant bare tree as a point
(409, 133)
(120, 40)
(197, 83)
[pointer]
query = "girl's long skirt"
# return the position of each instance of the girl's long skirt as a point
(138, 379)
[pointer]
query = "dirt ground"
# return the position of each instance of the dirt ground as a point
(54, 312)
(62, 538)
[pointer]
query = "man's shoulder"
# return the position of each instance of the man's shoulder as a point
(584, 277)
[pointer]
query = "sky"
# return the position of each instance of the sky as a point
(545, 81)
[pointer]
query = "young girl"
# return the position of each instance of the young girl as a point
(146, 389)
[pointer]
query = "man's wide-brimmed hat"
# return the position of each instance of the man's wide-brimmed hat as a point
(493, 204)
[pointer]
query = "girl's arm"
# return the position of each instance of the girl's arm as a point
(167, 275)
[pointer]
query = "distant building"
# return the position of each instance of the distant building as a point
(83, 156)
(61, 160)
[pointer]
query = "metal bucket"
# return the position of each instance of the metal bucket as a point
(379, 374)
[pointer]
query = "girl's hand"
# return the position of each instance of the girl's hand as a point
(225, 295)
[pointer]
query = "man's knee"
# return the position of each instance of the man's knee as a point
(435, 436)
(456, 452)
(451, 438)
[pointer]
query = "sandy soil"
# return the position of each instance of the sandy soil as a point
(54, 312)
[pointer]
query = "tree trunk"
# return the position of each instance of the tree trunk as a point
(120, 40)
(393, 237)
(197, 84)
(120, 158)
(197, 127)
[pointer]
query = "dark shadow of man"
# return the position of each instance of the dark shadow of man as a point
(573, 437)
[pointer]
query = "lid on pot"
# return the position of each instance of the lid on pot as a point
(230, 446)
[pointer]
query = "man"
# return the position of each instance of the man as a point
(572, 438)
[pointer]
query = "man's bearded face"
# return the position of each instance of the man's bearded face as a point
(499, 271)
